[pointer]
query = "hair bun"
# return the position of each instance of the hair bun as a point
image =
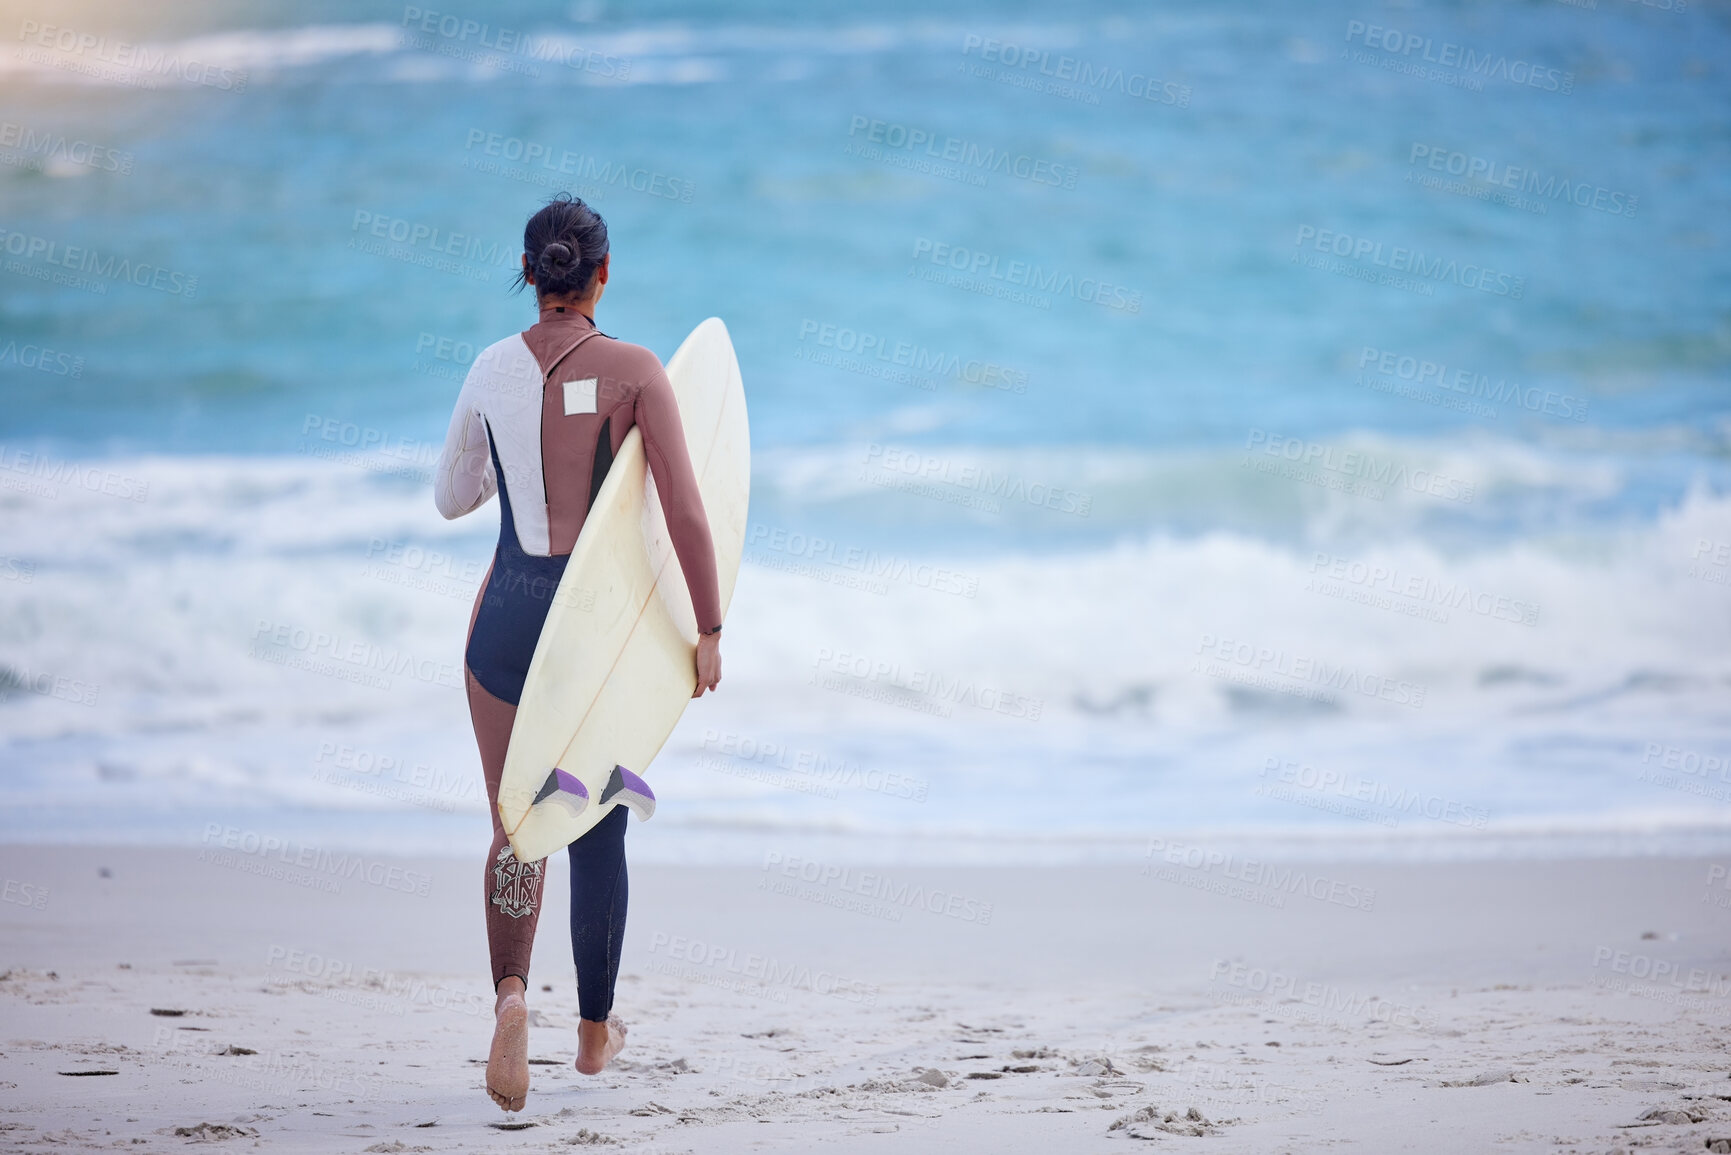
(563, 246)
(555, 259)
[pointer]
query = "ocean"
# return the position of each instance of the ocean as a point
(1302, 429)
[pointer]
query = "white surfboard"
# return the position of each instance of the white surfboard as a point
(614, 667)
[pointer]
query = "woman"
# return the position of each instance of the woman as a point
(539, 420)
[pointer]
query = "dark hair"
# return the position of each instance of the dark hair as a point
(565, 243)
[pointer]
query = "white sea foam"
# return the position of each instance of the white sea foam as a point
(90, 56)
(284, 635)
(473, 48)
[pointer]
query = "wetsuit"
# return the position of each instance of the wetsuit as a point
(539, 420)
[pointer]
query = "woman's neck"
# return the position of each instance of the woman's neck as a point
(556, 306)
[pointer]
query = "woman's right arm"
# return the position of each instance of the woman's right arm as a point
(464, 480)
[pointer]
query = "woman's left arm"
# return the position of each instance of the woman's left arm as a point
(657, 415)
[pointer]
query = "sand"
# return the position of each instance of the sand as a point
(156, 998)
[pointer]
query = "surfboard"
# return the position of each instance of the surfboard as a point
(615, 666)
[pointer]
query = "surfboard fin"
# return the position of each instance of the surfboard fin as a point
(633, 792)
(565, 790)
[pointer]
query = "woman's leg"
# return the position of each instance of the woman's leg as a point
(513, 891)
(599, 891)
(513, 888)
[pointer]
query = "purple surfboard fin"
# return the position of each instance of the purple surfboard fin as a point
(563, 790)
(632, 791)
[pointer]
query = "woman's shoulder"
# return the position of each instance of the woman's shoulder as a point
(505, 372)
(504, 352)
(629, 360)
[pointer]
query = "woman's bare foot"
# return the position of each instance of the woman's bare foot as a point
(597, 1043)
(508, 1061)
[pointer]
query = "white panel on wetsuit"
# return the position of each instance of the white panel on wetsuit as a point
(580, 396)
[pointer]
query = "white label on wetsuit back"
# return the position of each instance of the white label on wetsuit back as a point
(580, 396)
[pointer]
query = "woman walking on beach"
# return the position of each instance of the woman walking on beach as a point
(539, 420)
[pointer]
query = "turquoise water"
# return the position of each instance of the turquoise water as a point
(1210, 298)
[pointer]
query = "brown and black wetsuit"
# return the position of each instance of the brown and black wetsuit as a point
(539, 420)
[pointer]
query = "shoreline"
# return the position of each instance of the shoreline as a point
(449, 835)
